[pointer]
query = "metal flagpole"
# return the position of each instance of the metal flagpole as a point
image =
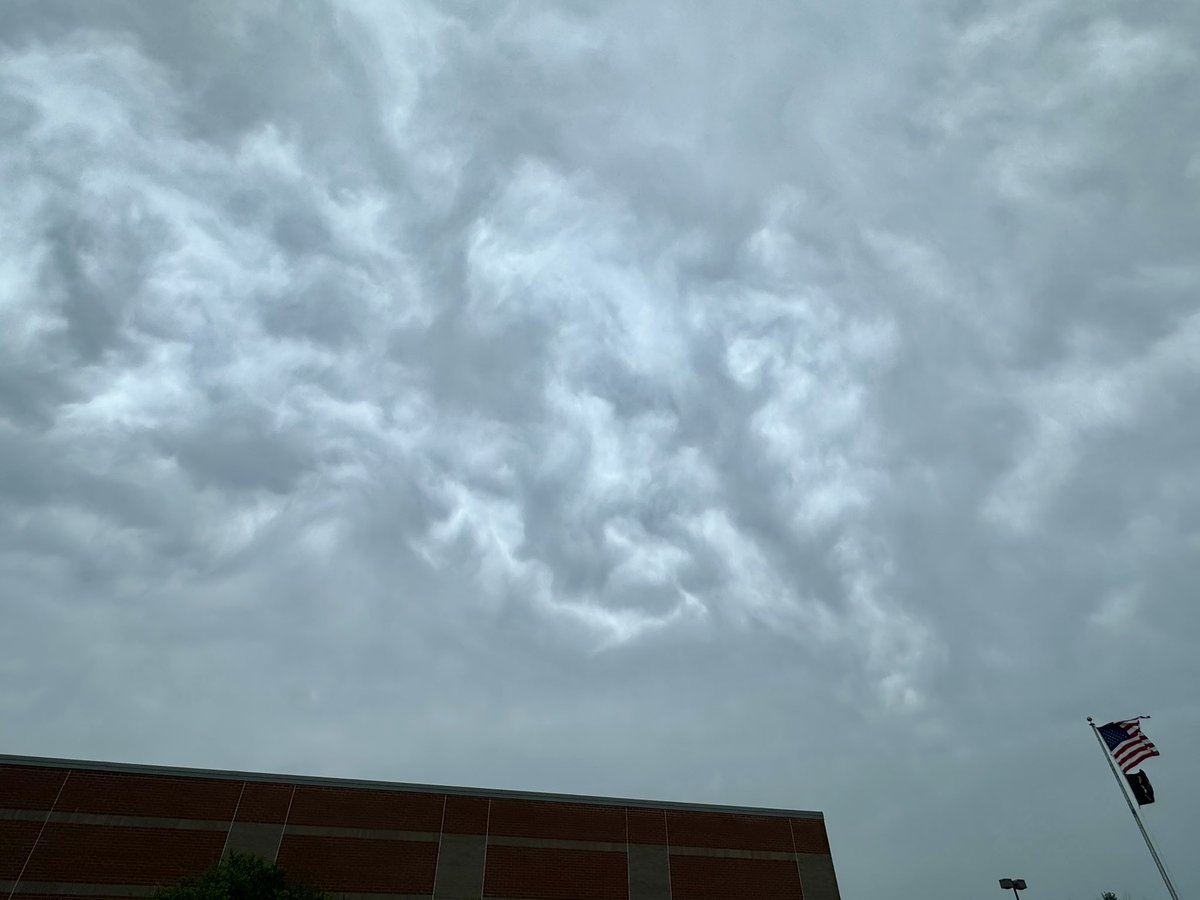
(1133, 809)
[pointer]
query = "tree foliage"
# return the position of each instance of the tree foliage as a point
(240, 877)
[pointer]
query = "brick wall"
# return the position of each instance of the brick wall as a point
(541, 873)
(85, 830)
(344, 808)
(564, 821)
(110, 793)
(715, 878)
(729, 831)
(16, 840)
(361, 864)
(98, 854)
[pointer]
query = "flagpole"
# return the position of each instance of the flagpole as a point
(1133, 809)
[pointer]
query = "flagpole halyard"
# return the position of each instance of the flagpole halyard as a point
(1133, 810)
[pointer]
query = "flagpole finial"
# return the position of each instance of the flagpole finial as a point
(1089, 718)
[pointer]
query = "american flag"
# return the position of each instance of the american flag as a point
(1127, 744)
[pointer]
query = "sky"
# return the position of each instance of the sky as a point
(783, 403)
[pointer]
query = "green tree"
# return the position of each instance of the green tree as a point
(240, 877)
(1108, 895)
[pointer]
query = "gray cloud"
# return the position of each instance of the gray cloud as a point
(786, 406)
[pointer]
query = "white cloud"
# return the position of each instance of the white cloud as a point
(531, 379)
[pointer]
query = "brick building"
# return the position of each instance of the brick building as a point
(72, 829)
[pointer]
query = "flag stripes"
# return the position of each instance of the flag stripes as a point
(1127, 744)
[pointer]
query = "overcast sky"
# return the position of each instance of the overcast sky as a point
(780, 403)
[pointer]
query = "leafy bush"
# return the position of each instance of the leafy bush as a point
(240, 877)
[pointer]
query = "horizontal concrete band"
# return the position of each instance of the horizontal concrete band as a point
(712, 852)
(718, 853)
(78, 818)
(97, 766)
(371, 834)
(368, 834)
(69, 887)
(141, 890)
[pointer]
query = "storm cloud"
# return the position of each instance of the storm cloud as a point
(790, 405)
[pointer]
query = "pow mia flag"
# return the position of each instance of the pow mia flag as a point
(1143, 791)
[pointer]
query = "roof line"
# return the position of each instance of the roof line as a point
(399, 787)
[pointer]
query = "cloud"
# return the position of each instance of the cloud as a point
(722, 404)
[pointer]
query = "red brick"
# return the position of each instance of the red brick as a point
(810, 836)
(730, 831)
(722, 878)
(264, 802)
(24, 787)
(115, 855)
(16, 839)
(466, 815)
(546, 874)
(147, 856)
(558, 821)
(354, 864)
(364, 808)
(647, 826)
(149, 795)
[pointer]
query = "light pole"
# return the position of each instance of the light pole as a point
(1014, 885)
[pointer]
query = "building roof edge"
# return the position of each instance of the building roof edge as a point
(400, 787)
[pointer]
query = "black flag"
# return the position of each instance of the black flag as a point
(1143, 791)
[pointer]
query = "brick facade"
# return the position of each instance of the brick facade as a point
(75, 829)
